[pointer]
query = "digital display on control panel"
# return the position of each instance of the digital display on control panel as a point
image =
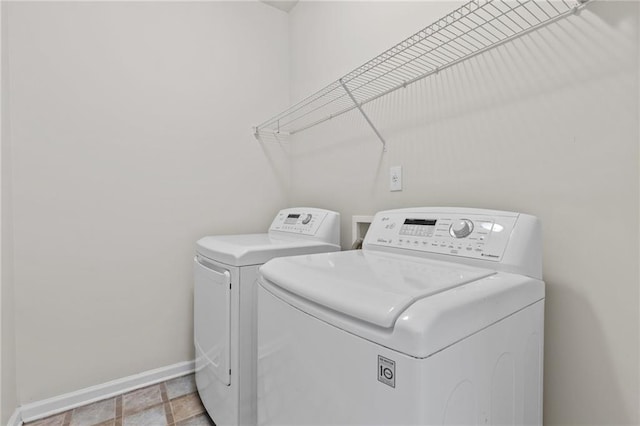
(291, 219)
(424, 222)
(418, 227)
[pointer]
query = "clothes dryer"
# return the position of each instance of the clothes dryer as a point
(225, 270)
(438, 320)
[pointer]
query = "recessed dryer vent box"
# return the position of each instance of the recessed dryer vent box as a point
(359, 227)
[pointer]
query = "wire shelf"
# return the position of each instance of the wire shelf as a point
(467, 31)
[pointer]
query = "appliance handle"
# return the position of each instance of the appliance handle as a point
(215, 272)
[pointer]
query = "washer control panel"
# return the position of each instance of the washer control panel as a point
(460, 234)
(305, 222)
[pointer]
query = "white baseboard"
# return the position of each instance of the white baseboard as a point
(58, 404)
(15, 419)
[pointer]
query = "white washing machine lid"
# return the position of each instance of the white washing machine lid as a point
(372, 287)
(256, 249)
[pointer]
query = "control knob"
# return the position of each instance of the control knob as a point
(461, 228)
(307, 219)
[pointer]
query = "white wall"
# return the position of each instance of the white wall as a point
(546, 124)
(131, 138)
(8, 388)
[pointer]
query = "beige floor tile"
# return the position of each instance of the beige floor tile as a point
(150, 417)
(141, 399)
(181, 386)
(93, 414)
(186, 406)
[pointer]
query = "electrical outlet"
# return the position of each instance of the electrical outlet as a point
(395, 178)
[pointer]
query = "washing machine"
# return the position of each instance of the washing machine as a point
(438, 320)
(225, 270)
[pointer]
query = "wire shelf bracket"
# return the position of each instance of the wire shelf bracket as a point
(366, 117)
(469, 30)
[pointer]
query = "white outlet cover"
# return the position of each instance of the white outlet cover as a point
(395, 178)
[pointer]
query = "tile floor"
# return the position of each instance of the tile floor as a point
(174, 402)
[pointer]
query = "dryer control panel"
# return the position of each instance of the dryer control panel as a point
(465, 234)
(307, 221)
